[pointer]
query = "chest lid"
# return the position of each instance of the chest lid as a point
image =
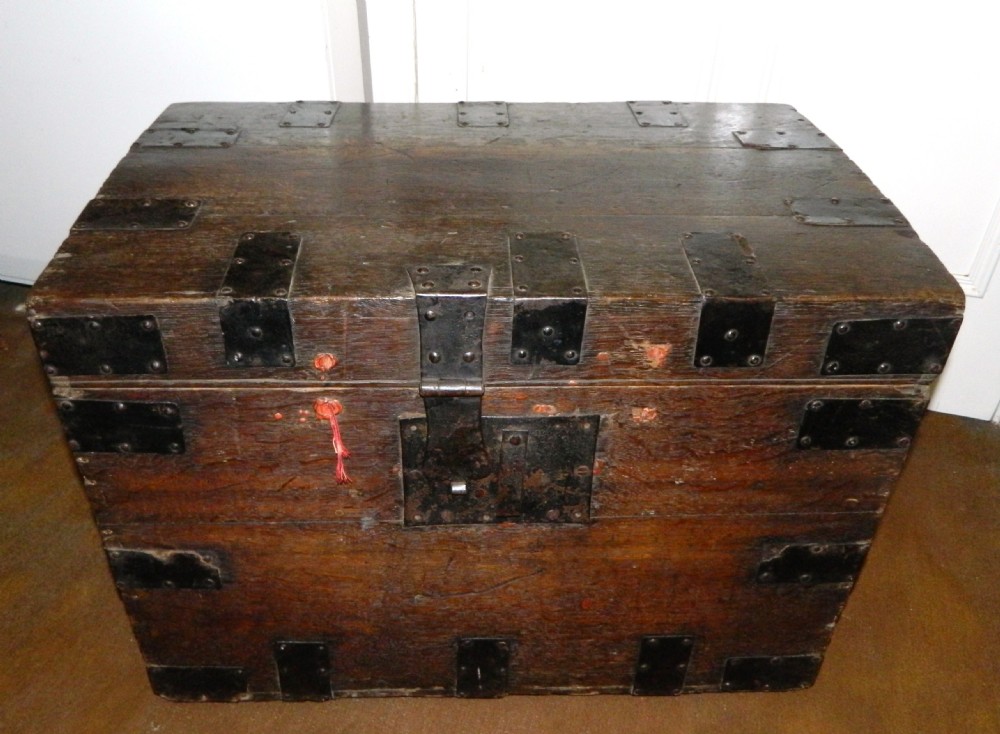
(451, 246)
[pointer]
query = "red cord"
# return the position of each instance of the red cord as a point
(329, 410)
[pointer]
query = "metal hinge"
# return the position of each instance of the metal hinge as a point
(253, 301)
(657, 114)
(309, 114)
(137, 214)
(451, 312)
(737, 308)
(550, 298)
(483, 114)
(847, 212)
(192, 134)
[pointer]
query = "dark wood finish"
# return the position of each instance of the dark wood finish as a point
(915, 648)
(389, 187)
(663, 451)
(393, 603)
(697, 471)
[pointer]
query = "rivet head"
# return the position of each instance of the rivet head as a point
(705, 360)
(843, 328)
(548, 331)
(899, 325)
(805, 578)
(124, 447)
(431, 315)
(522, 353)
(731, 335)
(833, 366)
(570, 355)
(884, 368)
(852, 442)
(766, 576)
(816, 405)
(552, 514)
(105, 368)
(755, 360)
(255, 332)
(148, 324)
(155, 365)
(805, 441)
(434, 357)
(903, 442)
(866, 405)
(515, 441)
(468, 357)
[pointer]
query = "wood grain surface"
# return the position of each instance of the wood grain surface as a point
(915, 649)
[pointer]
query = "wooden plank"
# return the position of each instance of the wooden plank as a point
(575, 601)
(264, 455)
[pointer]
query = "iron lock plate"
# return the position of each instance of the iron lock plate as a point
(535, 469)
(890, 346)
(253, 301)
(550, 298)
(737, 307)
(100, 345)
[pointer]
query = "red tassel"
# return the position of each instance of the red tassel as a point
(329, 410)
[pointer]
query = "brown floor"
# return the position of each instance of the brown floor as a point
(917, 649)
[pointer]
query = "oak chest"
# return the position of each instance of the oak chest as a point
(483, 398)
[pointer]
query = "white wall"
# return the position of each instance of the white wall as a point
(907, 91)
(79, 80)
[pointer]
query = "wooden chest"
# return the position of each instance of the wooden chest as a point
(482, 398)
